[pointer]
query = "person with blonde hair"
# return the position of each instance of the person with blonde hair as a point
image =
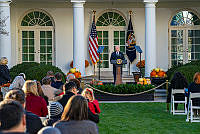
(194, 87)
(93, 104)
(34, 103)
(74, 119)
(4, 75)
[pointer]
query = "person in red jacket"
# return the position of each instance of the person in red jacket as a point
(34, 103)
(93, 104)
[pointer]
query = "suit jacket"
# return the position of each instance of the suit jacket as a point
(114, 56)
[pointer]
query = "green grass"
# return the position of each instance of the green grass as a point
(143, 118)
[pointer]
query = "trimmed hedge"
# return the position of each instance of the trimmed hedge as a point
(188, 70)
(34, 71)
(123, 88)
(21, 68)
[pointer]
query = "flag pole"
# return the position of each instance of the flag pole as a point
(129, 69)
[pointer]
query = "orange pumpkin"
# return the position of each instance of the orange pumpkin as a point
(161, 74)
(153, 73)
(76, 74)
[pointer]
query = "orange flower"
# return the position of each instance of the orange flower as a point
(141, 65)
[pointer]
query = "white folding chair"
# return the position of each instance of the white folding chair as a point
(178, 112)
(191, 107)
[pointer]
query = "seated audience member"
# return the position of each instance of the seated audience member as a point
(12, 118)
(58, 81)
(69, 90)
(40, 92)
(49, 130)
(51, 75)
(55, 111)
(78, 85)
(34, 103)
(93, 104)
(178, 82)
(48, 90)
(74, 119)
(33, 122)
(69, 77)
(18, 82)
(194, 87)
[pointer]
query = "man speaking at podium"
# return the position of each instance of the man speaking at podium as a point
(114, 56)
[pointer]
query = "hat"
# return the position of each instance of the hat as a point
(49, 130)
(55, 108)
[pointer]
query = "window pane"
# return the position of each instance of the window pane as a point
(197, 40)
(122, 48)
(24, 34)
(49, 63)
(122, 41)
(116, 34)
(31, 57)
(105, 57)
(116, 41)
(42, 57)
(99, 33)
(49, 34)
(31, 49)
(42, 42)
(49, 57)
(173, 49)
(105, 42)
(31, 42)
(24, 57)
(197, 33)
(42, 49)
(105, 64)
(105, 50)
(25, 50)
(24, 42)
(100, 41)
(42, 34)
(173, 33)
(31, 34)
(197, 56)
(197, 48)
(173, 56)
(174, 41)
(105, 34)
(122, 34)
(49, 42)
(49, 49)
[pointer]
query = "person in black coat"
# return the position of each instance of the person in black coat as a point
(69, 89)
(114, 56)
(178, 82)
(4, 71)
(194, 87)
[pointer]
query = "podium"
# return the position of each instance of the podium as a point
(118, 64)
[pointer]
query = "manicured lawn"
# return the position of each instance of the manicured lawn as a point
(143, 118)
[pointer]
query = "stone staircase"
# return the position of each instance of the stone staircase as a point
(160, 95)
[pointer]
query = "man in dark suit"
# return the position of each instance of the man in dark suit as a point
(114, 56)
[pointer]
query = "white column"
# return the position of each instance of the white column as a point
(78, 36)
(5, 35)
(150, 36)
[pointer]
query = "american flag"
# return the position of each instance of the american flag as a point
(93, 44)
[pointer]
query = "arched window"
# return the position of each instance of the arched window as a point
(185, 18)
(111, 18)
(37, 38)
(36, 18)
(184, 34)
(111, 27)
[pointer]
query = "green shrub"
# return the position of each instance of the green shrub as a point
(21, 68)
(123, 88)
(188, 70)
(34, 71)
